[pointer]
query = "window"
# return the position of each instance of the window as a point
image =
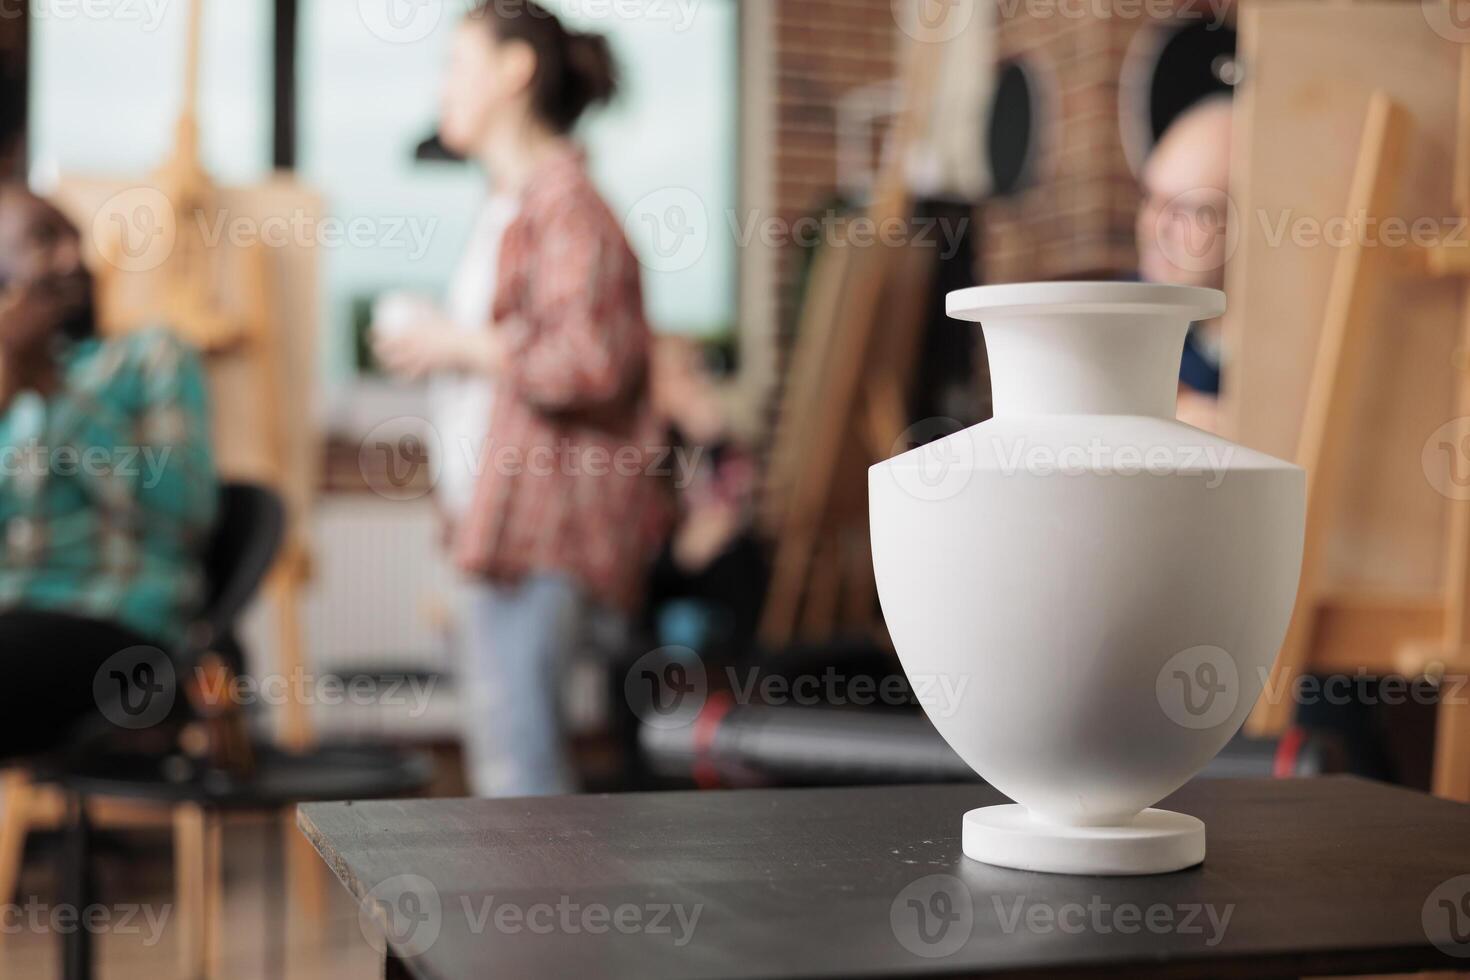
(368, 102)
(106, 87)
(106, 91)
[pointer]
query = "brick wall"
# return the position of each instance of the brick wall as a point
(1077, 218)
(1073, 220)
(822, 50)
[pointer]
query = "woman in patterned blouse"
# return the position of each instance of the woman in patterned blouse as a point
(565, 511)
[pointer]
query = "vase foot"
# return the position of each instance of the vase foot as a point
(1155, 842)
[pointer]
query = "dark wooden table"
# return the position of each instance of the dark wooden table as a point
(1303, 877)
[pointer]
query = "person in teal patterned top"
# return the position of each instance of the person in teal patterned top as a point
(107, 482)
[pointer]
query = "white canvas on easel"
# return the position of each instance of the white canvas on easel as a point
(1344, 105)
(1311, 69)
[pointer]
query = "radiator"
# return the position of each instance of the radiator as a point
(380, 596)
(382, 591)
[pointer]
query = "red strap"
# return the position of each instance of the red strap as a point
(1288, 752)
(706, 727)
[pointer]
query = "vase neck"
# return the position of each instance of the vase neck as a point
(1093, 363)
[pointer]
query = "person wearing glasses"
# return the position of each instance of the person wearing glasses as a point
(1183, 236)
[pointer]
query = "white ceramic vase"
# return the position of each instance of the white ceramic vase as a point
(1090, 592)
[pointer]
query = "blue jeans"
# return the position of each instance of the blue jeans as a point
(518, 641)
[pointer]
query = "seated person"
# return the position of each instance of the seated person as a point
(1183, 237)
(107, 484)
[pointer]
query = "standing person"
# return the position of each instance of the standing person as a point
(558, 527)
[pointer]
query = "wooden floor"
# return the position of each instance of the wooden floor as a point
(136, 890)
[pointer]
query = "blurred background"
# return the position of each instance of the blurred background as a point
(803, 181)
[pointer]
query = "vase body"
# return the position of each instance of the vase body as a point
(1102, 588)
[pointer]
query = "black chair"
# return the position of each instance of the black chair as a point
(247, 537)
(200, 791)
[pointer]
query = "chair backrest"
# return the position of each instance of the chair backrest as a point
(247, 537)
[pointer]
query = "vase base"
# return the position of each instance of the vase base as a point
(1155, 842)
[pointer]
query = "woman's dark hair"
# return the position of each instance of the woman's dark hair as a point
(573, 70)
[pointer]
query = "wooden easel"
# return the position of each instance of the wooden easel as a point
(1452, 737)
(1382, 632)
(844, 407)
(227, 303)
(182, 291)
(186, 291)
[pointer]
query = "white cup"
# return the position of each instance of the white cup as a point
(396, 313)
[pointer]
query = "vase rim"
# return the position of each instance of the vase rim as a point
(1042, 298)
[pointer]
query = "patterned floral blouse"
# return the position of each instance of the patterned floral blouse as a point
(108, 489)
(573, 478)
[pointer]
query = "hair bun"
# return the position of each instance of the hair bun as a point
(590, 61)
(574, 70)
